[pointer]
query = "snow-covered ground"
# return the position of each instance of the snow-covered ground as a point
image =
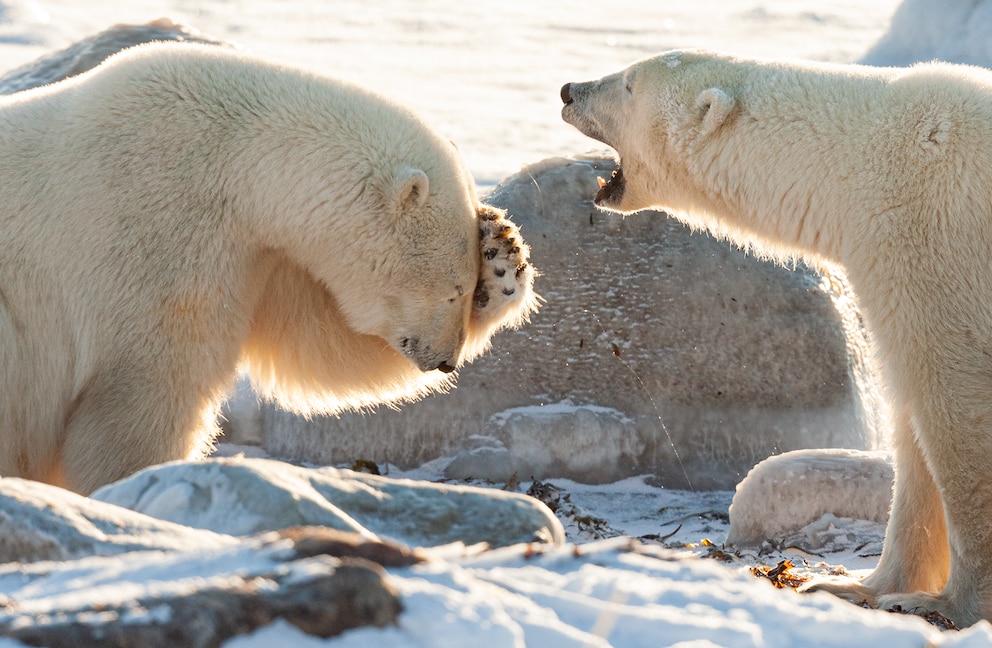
(676, 585)
(488, 73)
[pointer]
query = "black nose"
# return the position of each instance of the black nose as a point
(445, 367)
(566, 94)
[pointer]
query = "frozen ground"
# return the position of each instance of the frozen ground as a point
(676, 585)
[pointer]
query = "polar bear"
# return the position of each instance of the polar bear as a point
(182, 211)
(887, 172)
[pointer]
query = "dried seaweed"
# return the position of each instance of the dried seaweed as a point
(780, 575)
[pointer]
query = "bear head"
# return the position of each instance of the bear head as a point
(379, 208)
(652, 113)
(414, 266)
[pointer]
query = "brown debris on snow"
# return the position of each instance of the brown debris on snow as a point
(780, 575)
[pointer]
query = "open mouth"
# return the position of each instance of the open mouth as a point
(611, 191)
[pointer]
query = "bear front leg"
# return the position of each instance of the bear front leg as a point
(504, 287)
(915, 553)
(504, 295)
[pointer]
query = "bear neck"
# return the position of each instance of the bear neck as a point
(786, 174)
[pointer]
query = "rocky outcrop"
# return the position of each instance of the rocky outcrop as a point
(320, 581)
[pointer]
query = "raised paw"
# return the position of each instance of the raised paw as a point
(504, 292)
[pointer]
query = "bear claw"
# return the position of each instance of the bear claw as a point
(506, 275)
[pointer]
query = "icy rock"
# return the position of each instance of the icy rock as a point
(926, 30)
(492, 462)
(198, 597)
(785, 493)
(89, 52)
(555, 439)
(246, 496)
(42, 522)
(712, 359)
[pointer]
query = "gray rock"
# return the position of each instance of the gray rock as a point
(927, 30)
(491, 461)
(712, 359)
(553, 440)
(201, 598)
(247, 496)
(42, 522)
(90, 52)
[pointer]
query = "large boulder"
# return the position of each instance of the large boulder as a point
(708, 360)
(243, 497)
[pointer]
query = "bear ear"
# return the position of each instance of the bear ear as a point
(934, 131)
(410, 188)
(713, 105)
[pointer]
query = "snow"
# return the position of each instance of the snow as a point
(848, 483)
(488, 74)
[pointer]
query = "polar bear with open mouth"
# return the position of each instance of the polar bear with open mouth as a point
(888, 173)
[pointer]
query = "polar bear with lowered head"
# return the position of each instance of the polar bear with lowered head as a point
(888, 173)
(181, 211)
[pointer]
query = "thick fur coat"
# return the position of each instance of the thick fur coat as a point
(888, 173)
(181, 211)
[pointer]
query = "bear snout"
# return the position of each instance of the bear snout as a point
(579, 110)
(426, 358)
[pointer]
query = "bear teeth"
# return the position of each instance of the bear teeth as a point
(611, 191)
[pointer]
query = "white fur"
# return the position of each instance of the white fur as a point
(887, 172)
(183, 210)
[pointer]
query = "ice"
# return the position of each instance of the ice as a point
(786, 492)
